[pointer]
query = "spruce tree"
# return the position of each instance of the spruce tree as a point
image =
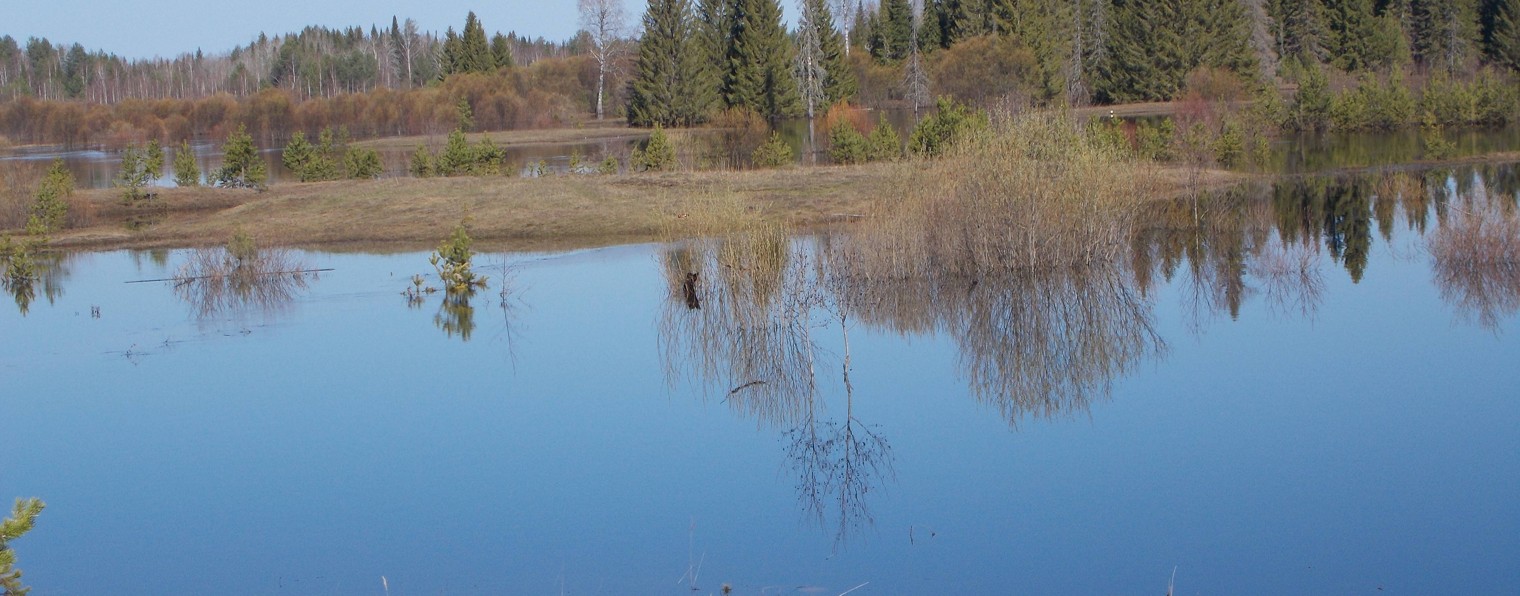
(670, 86)
(1352, 28)
(1504, 45)
(501, 51)
(760, 62)
(1443, 32)
(451, 60)
(969, 18)
(475, 52)
(1298, 29)
(1153, 45)
(895, 31)
(822, 74)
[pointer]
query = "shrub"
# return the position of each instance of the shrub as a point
(1214, 84)
(937, 132)
(608, 167)
(774, 153)
(846, 144)
(884, 144)
(422, 163)
(656, 155)
(362, 164)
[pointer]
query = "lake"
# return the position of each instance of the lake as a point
(1297, 387)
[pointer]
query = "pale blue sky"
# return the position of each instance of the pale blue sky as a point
(145, 28)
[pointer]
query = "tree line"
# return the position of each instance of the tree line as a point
(697, 57)
(314, 62)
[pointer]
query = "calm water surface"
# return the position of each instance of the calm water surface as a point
(1286, 390)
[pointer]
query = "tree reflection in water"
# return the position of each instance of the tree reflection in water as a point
(1476, 256)
(740, 322)
(33, 270)
(218, 282)
(455, 316)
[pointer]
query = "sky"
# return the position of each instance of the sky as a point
(167, 28)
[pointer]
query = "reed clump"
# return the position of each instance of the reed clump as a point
(1029, 192)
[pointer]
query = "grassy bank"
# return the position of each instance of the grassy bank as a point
(549, 212)
(584, 132)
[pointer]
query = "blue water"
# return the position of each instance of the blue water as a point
(344, 443)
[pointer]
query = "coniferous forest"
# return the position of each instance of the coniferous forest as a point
(682, 62)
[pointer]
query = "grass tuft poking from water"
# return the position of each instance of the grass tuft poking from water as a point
(1031, 192)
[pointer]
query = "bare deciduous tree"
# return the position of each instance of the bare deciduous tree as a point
(605, 22)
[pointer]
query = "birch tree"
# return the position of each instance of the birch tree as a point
(605, 22)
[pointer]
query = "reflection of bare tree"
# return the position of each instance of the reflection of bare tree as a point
(839, 467)
(739, 320)
(1045, 344)
(1477, 259)
(741, 315)
(217, 282)
(1290, 277)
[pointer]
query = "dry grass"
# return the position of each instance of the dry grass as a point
(554, 211)
(1034, 192)
(589, 131)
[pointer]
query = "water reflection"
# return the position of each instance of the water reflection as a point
(455, 316)
(1476, 256)
(222, 283)
(743, 321)
(25, 272)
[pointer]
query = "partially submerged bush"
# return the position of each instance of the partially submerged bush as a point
(237, 277)
(1029, 192)
(452, 261)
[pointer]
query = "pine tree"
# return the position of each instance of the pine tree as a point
(670, 85)
(186, 172)
(153, 161)
(760, 63)
(1350, 27)
(22, 519)
(969, 18)
(241, 165)
(1504, 45)
(933, 27)
(840, 83)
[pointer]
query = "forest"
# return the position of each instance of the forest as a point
(684, 62)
